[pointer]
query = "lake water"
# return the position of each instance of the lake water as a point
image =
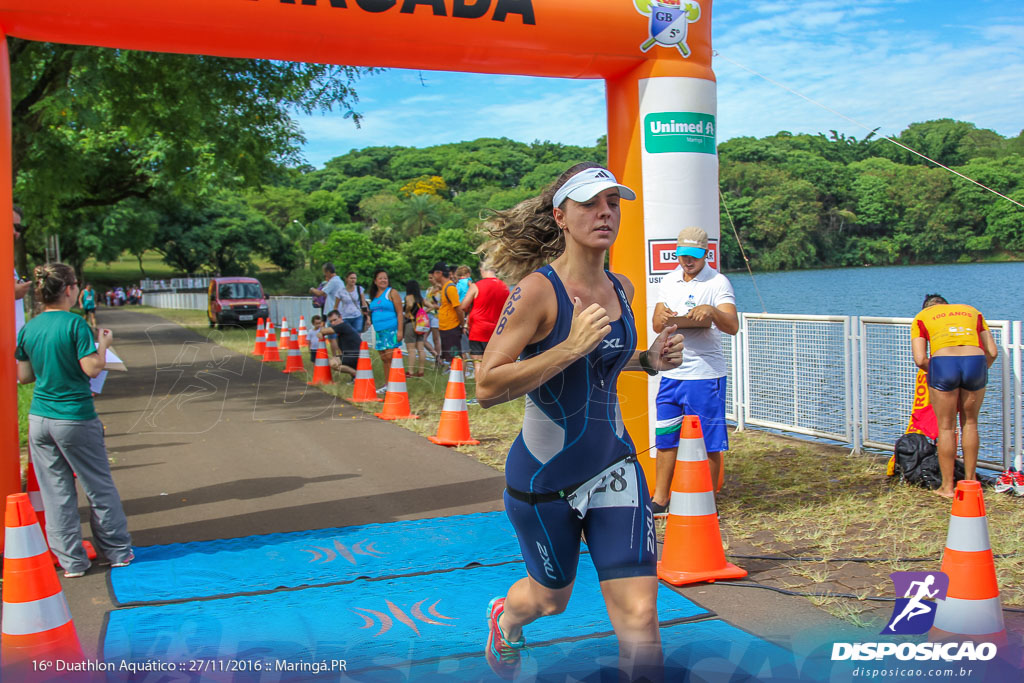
(995, 289)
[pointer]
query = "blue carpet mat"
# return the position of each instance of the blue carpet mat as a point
(309, 558)
(710, 650)
(366, 623)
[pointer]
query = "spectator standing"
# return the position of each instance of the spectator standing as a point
(432, 303)
(331, 289)
(704, 297)
(962, 350)
(352, 305)
(21, 287)
(315, 342)
(483, 304)
(385, 314)
(450, 317)
(57, 351)
(417, 327)
(87, 301)
(463, 280)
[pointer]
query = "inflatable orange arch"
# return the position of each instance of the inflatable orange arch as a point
(654, 55)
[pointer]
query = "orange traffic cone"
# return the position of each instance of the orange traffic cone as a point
(453, 429)
(37, 623)
(270, 354)
(283, 326)
(294, 361)
(261, 338)
(693, 543)
(32, 489)
(971, 610)
(364, 390)
(303, 334)
(322, 369)
(396, 400)
(282, 339)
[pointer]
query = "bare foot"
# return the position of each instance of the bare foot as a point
(944, 494)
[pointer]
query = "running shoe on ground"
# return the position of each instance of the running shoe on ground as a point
(1018, 483)
(1005, 482)
(659, 510)
(502, 656)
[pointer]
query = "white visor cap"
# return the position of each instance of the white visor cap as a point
(587, 183)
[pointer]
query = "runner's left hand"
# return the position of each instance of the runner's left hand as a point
(667, 350)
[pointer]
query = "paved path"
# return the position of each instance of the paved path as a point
(210, 444)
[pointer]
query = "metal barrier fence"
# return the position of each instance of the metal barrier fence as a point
(190, 282)
(851, 380)
(191, 301)
(842, 378)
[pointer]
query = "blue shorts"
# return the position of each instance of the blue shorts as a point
(704, 398)
(947, 373)
(621, 540)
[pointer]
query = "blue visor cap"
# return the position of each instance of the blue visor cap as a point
(695, 252)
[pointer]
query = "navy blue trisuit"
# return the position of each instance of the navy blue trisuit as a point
(573, 467)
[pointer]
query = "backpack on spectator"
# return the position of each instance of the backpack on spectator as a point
(318, 300)
(917, 463)
(422, 321)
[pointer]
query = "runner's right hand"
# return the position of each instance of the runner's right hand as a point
(589, 326)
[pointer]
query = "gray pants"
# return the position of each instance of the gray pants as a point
(62, 449)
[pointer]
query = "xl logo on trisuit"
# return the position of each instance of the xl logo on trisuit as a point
(914, 613)
(669, 20)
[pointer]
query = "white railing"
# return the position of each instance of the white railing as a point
(191, 301)
(851, 380)
(175, 283)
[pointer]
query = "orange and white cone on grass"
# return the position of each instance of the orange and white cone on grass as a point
(37, 623)
(396, 400)
(971, 610)
(303, 333)
(453, 429)
(693, 542)
(364, 390)
(34, 495)
(284, 326)
(261, 338)
(322, 369)
(270, 353)
(282, 339)
(294, 361)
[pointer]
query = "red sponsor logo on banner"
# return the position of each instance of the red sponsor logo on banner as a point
(661, 256)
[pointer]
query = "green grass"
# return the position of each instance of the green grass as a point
(125, 270)
(24, 402)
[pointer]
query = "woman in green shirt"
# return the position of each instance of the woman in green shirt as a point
(57, 351)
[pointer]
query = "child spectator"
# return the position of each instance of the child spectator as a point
(464, 278)
(314, 337)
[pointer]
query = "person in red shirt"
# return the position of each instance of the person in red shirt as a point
(483, 304)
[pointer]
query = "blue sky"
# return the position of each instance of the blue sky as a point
(883, 63)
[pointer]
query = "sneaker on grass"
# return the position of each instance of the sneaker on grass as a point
(659, 510)
(1007, 481)
(1018, 483)
(502, 655)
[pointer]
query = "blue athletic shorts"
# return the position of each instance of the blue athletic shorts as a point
(704, 398)
(947, 373)
(621, 540)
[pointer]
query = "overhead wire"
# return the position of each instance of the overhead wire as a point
(716, 53)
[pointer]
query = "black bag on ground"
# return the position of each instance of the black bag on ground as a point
(918, 464)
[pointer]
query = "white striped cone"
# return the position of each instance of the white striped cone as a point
(284, 324)
(453, 429)
(364, 390)
(972, 609)
(693, 542)
(294, 363)
(36, 620)
(303, 334)
(396, 400)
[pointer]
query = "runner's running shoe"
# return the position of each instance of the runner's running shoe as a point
(1006, 481)
(502, 656)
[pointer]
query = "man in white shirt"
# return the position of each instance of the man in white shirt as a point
(332, 289)
(697, 387)
(20, 288)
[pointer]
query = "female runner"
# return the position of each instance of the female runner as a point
(566, 333)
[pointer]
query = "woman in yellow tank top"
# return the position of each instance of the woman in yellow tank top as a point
(962, 351)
